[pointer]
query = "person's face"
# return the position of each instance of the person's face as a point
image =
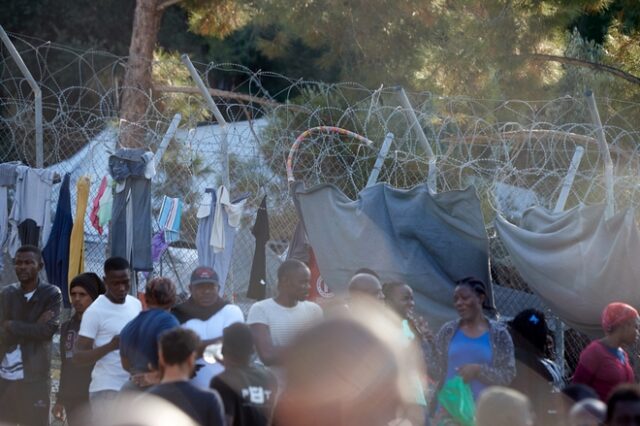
(630, 332)
(626, 413)
(80, 299)
(298, 283)
(205, 294)
(466, 301)
(27, 265)
(118, 284)
(401, 300)
(374, 290)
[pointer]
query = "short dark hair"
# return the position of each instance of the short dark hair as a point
(28, 248)
(623, 393)
(160, 290)
(529, 328)
(177, 345)
(237, 341)
(579, 391)
(367, 271)
(115, 263)
(388, 288)
(288, 267)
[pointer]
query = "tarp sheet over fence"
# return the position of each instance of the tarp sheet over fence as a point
(427, 241)
(577, 261)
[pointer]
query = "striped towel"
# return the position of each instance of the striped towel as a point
(169, 218)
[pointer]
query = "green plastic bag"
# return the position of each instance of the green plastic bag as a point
(456, 397)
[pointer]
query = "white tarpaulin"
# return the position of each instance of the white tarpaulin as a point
(577, 261)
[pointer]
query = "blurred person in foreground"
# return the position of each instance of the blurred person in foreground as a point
(207, 314)
(536, 375)
(73, 391)
(139, 338)
(623, 406)
(473, 347)
(364, 284)
(248, 391)
(178, 351)
(568, 397)
(398, 296)
(29, 317)
(500, 406)
(604, 364)
(347, 372)
(99, 336)
(588, 412)
(275, 322)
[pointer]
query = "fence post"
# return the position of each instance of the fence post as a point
(171, 131)
(408, 108)
(373, 177)
(224, 148)
(568, 180)
(36, 92)
(604, 150)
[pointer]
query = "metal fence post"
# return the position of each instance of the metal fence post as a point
(36, 92)
(216, 112)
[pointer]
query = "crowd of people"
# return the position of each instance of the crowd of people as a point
(365, 359)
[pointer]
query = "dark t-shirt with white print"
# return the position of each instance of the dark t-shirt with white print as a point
(248, 394)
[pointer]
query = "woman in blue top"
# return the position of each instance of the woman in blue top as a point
(473, 347)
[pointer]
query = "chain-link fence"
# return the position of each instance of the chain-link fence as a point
(516, 153)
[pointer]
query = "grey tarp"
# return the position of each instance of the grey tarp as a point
(427, 241)
(577, 261)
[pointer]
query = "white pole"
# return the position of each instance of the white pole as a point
(224, 148)
(408, 108)
(171, 131)
(568, 180)
(373, 177)
(36, 92)
(604, 150)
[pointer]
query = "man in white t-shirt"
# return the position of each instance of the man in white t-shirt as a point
(206, 313)
(99, 336)
(274, 322)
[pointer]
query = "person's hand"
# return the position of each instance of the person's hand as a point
(144, 380)
(469, 372)
(115, 342)
(422, 326)
(45, 316)
(58, 411)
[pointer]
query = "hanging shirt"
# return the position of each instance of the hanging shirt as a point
(76, 248)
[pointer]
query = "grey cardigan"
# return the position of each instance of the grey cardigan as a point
(503, 365)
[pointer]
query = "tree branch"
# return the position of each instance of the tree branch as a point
(586, 64)
(166, 4)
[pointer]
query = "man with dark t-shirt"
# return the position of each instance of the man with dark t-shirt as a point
(177, 356)
(248, 391)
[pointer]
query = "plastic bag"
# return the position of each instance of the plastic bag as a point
(456, 397)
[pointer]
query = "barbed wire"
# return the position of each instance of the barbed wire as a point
(501, 147)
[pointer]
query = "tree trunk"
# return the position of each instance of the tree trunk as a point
(136, 90)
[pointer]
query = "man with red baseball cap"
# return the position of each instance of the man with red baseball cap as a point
(206, 313)
(603, 363)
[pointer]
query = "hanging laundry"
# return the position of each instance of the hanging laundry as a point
(158, 246)
(7, 178)
(56, 253)
(131, 214)
(32, 200)
(301, 250)
(258, 277)
(223, 220)
(76, 248)
(106, 205)
(169, 218)
(95, 206)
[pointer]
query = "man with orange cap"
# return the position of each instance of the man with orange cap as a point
(603, 363)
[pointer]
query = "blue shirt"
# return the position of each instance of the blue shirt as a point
(139, 338)
(465, 350)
